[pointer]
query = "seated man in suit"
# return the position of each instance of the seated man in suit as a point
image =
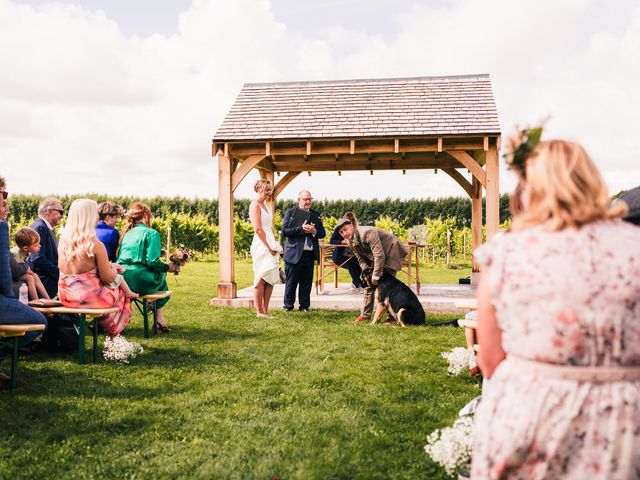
(45, 262)
(12, 312)
(375, 250)
(301, 250)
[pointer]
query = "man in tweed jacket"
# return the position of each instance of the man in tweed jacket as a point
(375, 250)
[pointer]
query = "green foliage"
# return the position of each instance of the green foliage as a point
(226, 395)
(407, 212)
(243, 236)
(329, 223)
(387, 224)
(192, 232)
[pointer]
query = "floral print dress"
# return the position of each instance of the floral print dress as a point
(569, 298)
(86, 290)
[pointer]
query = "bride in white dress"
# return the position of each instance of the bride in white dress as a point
(265, 250)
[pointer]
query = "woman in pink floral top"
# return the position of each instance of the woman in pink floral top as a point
(559, 331)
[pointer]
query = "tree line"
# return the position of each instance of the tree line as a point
(406, 212)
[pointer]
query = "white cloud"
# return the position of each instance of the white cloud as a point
(84, 107)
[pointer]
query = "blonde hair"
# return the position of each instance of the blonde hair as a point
(79, 232)
(565, 189)
(260, 185)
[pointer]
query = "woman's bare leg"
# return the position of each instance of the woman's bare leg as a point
(258, 297)
(268, 290)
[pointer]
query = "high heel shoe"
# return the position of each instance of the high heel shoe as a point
(164, 328)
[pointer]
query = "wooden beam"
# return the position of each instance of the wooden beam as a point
(485, 143)
(459, 178)
(396, 145)
(226, 150)
(493, 193)
(308, 147)
(284, 181)
(352, 145)
(267, 149)
(474, 167)
(226, 283)
(244, 168)
(439, 144)
(476, 219)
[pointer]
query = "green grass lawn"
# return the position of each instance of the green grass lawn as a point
(225, 395)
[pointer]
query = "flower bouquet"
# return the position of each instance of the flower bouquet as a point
(460, 359)
(451, 446)
(119, 349)
(179, 258)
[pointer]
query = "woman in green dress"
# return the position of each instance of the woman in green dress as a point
(139, 254)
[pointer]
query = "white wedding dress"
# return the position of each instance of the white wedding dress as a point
(265, 265)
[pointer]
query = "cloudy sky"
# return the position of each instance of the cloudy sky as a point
(123, 96)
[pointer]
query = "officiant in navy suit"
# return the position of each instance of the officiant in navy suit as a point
(301, 250)
(45, 262)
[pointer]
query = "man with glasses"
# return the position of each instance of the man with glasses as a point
(45, 262)
(301, 250)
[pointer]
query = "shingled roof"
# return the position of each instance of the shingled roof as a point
(422, 106)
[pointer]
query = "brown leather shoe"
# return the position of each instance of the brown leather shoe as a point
(361, 319)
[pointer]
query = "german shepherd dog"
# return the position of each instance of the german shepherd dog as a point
(397, 299)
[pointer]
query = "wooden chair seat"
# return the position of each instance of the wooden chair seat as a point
(15, 332)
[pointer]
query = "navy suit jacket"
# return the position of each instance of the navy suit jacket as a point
(5, 271)
(45, 262)
(295, 238)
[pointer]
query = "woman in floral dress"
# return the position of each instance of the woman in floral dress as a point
(559, 331)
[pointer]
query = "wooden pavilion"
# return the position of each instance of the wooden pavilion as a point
(448, 123)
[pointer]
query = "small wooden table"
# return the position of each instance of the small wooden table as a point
(414, 253)
(15, 332)
(144, 302)
(84, 314)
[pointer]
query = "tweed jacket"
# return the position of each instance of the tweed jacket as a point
(377, 249)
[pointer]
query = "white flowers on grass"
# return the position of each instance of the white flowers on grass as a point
(451, 446)
(460, 359)
(121, 350)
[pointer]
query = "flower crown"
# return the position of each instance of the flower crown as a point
(520, 146)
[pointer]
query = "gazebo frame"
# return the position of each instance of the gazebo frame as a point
(477, 152)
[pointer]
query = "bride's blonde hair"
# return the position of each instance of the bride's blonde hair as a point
(79, 232)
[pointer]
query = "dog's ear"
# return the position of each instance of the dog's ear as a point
(365, 278)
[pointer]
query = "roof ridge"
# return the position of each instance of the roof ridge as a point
(369, 80)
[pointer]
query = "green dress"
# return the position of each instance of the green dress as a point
(140, 256)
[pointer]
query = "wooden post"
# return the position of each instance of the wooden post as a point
(226, 284)
(476, 219)
(493, 193)
(269, 175)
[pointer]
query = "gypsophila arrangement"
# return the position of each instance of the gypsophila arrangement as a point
(451, 446)
(460, 359)
(119, 349)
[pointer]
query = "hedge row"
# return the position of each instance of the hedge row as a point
(407, 212)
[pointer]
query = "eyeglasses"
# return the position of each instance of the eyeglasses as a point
(4, 194)
(306, 199)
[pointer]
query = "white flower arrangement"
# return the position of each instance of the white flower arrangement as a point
(119, 349)
(451, 446)
(460, 359)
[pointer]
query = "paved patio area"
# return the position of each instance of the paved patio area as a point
(435, 298)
